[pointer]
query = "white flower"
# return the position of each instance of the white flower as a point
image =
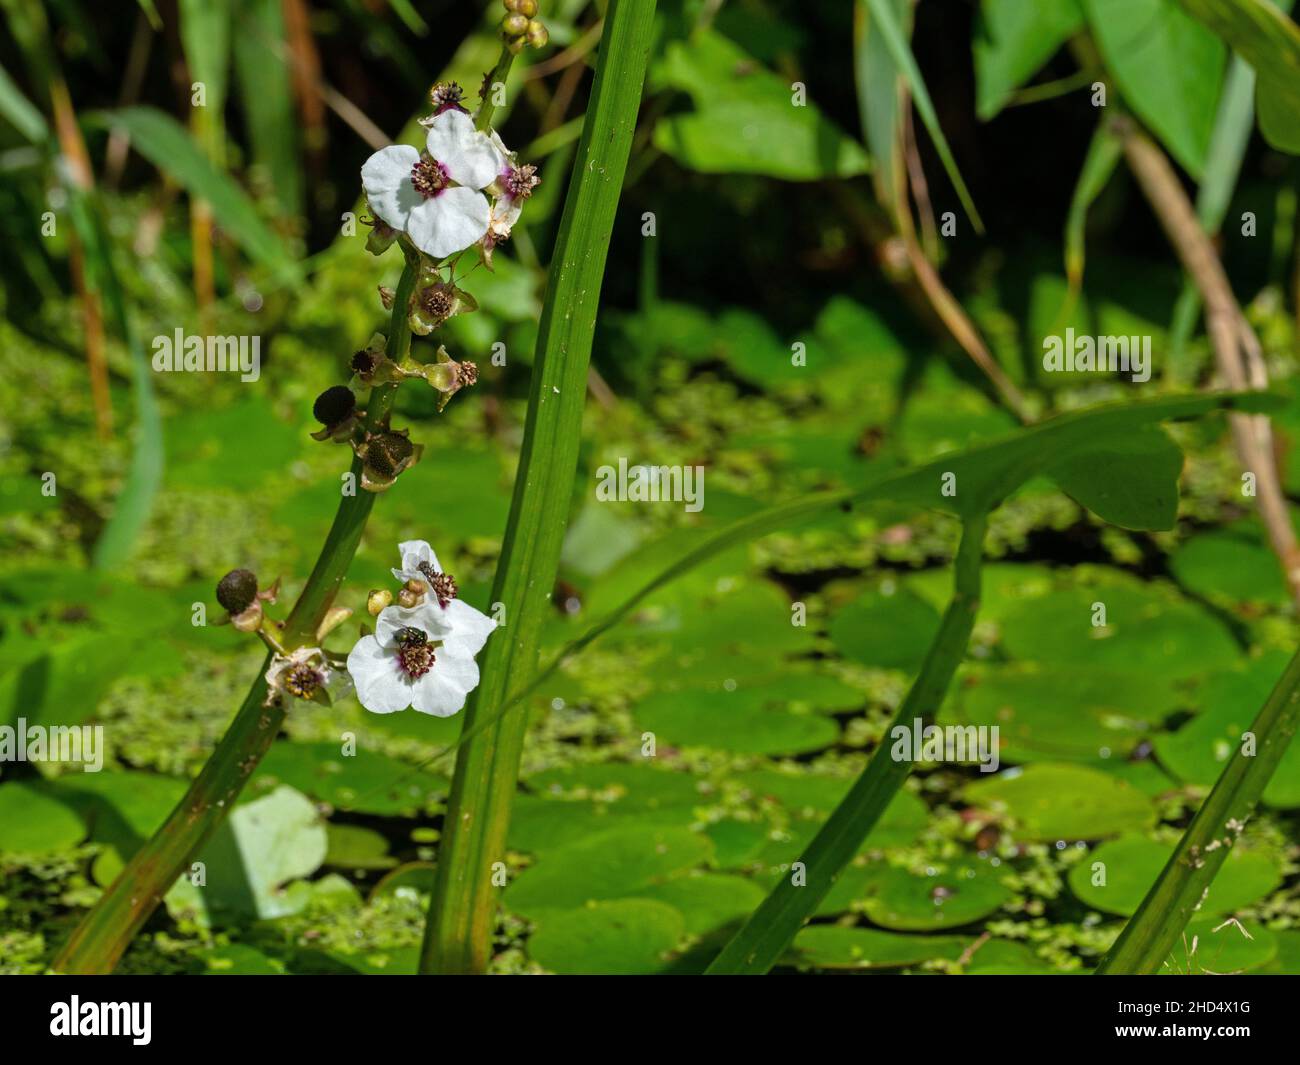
(304, 674)
(435, 198)
(421, 657)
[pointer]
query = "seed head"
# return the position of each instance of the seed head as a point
(237, 590)
(336, 403)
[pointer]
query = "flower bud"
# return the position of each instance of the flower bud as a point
(514, 24)
(537, 34)
(237, 590)
(377, 601)
(381, 238)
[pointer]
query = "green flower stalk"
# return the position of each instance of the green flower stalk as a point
(449, 184)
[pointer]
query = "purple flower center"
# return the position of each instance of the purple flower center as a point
(519, 181)
(429, 177)
(415, 655)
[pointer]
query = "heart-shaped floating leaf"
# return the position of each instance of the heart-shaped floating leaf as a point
(1063, 802)
(622, 937)
(1116, 876)
(615, 864)
(828, 946)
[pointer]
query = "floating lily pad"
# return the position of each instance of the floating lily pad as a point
(352, 847)
(35, 823)
(1210, 945)
(708, 901)
(540, 826)
(827, 946)
(364, 781)
(614, 864)
(1132, 863)
(1198, 752)
(1003, 957)
(1044, 713)
(694, 719)
(896, 899)
(1146, 632)
(622, 937)
(887, 630)
(1048, 801)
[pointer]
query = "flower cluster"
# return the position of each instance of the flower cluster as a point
(421, 654)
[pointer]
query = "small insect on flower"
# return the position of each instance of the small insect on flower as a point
(434, 196)
(421, 656)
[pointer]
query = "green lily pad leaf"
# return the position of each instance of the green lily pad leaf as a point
(698, 719)
(1287, 960)
(1004, 957)
(356, 848)
(250, 862)
(1047, 801)
(896, 899)
(624, 937)
(809, 798)
(1013, 40)
(735, 843)
(1198, 751)
(1232, 564)
(886, 629)
(364, 781)
(1057, 714)
(1220, 947)
(1146, 632)
(1168, 66)
(828, 946)
(540, 826)
(615, 864)
(1132, 863)
(122, 809)
(35, 822)
(708, 901)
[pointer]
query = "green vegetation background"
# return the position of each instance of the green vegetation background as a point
(622, 863)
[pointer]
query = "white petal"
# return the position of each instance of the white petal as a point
(442, 691)
(386, 177)
(381, 685)
(449, 222)
(414, 552)
(470, 628)
(468, 154)
(505, 213)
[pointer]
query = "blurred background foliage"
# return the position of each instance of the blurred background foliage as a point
(129, 212)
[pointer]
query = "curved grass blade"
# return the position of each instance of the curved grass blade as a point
(882, 15)
(166, 143)
(144, 476)
(20, 112)
(1153, 931)
(765, 936)
(462, 911)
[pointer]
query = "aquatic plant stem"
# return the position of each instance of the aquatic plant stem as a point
(763, 939)
(472, 853)
(98, 942)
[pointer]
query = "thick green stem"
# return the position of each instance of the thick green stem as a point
(104, 933)
(1153, 931)
(464, 904)
(765, 936)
